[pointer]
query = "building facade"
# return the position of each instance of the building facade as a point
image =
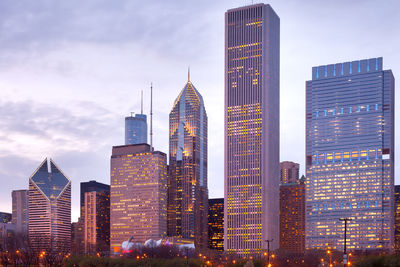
(78, 237)
(216, 224)
(292, 216)
(136, 129)
(397, 219)
(251, 129)
(20, 211)
(138, 195)
(91, 186)
(97, 222)
(289, 172)
(350, 156)
(187, 179)
(49, 209)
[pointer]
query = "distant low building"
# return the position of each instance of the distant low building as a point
(20, 211)
(7, 234)
(216, 224)
(97, 222)
(292, 216)
(77, 237)
(5, 217)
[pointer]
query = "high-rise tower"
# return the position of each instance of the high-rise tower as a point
(136, 129)
(50, 210)
(20, 211)
(138, 207)
(187, 185)
(350, 155)
(251, 129)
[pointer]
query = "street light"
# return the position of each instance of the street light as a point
(345, 220)
(330, 258)
(268, 241)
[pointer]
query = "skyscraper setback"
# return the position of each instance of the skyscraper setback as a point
(187, 185)
(50, 210)
(251, 129)
(350, 155)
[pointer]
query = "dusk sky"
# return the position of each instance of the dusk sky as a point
(70, 71)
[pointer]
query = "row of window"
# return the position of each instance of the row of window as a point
(342, 68)
(346, 110)
(347, 155)
(348, 205)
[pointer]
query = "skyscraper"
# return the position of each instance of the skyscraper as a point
(397, 218)
(292, 216)
(251, 129)
(20, 211)
(49, 209)
(350, 155)
(187, 184)
(136, 129)
(138, 194)
(91, 186)
(97, 222)
(289, 172)
(216, 223)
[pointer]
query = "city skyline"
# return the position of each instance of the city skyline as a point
(30, 131)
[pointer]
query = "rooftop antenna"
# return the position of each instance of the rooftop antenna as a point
(141, 105)
(189, 74)
(151, 117)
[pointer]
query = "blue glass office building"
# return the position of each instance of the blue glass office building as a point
(136, 129)
(350, 156)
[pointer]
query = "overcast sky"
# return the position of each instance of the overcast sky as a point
(70, 71)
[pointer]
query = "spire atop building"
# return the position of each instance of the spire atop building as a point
(189, 74)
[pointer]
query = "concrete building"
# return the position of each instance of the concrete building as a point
(138, 195)
(251, 129)
(289, 172)
(49, 209)
(20, 211)
(187, 179)
(91, 186)
(292, 216)
(97, 222)
(216, 224)
(350, 156)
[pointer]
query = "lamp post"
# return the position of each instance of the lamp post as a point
(345, 220)
(330, 258)
(268, 241)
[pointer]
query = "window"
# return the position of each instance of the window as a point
(316, 72)
(376, 64)
(358, 205)
(367, 107)
(341, 71)
(333, 206)
(326, 71)
(342, 110)
(350, 110)
(316, 207)
(367, 65)
(325, 112)
(359, 66)
(376, 203)
(359, 108)
(341, 206)
(334, 111)
(334, 70)
(317, 113)
(350, 68)
(350, 206)
(367, 204)
(376, 106)
(325, 207)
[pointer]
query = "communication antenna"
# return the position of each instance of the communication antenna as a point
(151, 117)
(141, 105)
